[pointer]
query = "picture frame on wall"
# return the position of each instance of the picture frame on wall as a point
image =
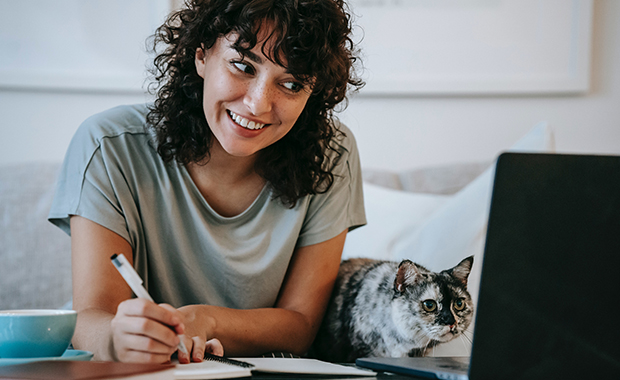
(474, 47)
(421, 47)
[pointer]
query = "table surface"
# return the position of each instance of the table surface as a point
(380, 375)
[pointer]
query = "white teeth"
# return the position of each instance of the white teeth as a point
(245, 123)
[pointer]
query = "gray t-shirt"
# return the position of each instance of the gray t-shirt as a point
(185, 252)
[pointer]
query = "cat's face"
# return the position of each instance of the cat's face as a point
(433, 306)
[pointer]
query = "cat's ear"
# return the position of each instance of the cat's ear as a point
(462, 270)
(407, 274)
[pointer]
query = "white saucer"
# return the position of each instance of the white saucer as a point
(68, 355)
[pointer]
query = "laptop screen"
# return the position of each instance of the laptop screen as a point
(550, 286)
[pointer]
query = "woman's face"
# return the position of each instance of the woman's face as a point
(249, 102)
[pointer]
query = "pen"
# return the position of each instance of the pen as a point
(135, 283)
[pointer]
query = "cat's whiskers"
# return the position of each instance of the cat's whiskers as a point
(465, 337)
(465, 340)
(470, 339)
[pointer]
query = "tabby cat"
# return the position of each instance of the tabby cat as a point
(387, 309)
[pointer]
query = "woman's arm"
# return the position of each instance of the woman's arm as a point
(111, 324)
(116, 327)
(292, 325)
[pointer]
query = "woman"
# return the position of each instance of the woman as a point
(231, 195)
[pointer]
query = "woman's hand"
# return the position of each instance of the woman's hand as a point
(143, 331)
(197, 347)
(198, 337)
(111, 324)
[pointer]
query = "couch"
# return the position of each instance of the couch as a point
(35, 256)
(434, 216)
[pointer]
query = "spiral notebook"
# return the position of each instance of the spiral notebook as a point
(549, 275)
(216, 367)
(213, 367)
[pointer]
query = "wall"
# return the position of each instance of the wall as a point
(392, 132)
(418, 131)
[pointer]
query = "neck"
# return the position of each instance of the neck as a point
(228, 183)
(225, 168)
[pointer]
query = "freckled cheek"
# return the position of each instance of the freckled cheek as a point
(272, 96)
(222, 88)
(293, 110)
(265, 93)
(231, 90)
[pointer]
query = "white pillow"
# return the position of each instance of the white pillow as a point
(391, 214)
(437, 234)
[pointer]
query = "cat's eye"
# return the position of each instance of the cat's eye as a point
(429, 305)
(459, 305)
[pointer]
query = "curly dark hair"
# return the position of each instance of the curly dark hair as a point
(313, 36)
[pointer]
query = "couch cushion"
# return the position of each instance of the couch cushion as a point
(442, 180)
(35, 256)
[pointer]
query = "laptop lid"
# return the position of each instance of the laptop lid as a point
(550, 285)
(450, 368)
(550, 276)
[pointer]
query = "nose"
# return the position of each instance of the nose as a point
(446, 317)
(259, 97)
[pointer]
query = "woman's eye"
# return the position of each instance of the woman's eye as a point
(293, 86)
(459, 305)
(429, 305)
(244, 67)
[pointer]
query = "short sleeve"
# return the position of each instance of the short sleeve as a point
(91, 183)
(102, 194)
(342, 206)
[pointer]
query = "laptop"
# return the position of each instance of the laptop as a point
(550, 284)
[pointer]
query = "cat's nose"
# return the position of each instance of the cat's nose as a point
(446, 318)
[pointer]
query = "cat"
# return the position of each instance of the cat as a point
(386, 309)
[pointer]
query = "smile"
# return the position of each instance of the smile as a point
(245, 123)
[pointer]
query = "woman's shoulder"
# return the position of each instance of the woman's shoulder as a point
(117, 120)
(102, 129)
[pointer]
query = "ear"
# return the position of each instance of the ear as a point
(200, 60)
(408, 273)
(462, 270)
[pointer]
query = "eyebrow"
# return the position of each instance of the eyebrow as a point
(247, 53)
(252, 56)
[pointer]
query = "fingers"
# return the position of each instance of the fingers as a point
(140, 349)
(162, 313)
(214, 346)
(176, 321)
(198, 351)
(145, 332)
(197, 346)
(185, 358)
